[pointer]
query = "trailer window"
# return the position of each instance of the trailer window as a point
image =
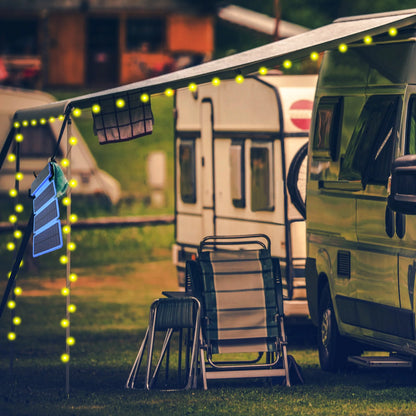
(237, 172)
(411, 127)
(369, 153)
(39, 142)
(187, 171)
(327, 128)
(261, 177)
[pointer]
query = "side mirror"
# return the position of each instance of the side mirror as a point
(402, 196)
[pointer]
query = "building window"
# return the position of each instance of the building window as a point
(237, 172)
(187, 174)
(145, 35)
(369, 153)
(327, 128)
(261, 164)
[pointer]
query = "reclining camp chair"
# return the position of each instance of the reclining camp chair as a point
(240, 288)
(168, 315)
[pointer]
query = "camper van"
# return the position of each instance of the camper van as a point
(361, 200)
(241, 168)
(39, 144)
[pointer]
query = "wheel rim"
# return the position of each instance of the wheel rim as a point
(326, 328)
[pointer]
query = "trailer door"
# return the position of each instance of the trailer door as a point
(207, 170)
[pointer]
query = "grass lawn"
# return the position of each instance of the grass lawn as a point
(112, 311)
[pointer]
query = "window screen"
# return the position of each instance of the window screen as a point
(237, 172)
(39, 142)
(369, 153)
(261, 177)
(187, 174)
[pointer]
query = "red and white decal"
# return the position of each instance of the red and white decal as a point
(300, 113)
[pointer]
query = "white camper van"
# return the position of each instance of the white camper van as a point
(241, 168)
(361, 200)
(39, 144)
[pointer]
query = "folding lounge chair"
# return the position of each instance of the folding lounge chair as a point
(168, 315)
(240, 288)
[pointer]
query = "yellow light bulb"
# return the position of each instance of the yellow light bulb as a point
(11, 157)
(19, 176)
(63, 259)
(65, 163)
(72, 246)
(25, 123)
(19, 208)
(76, 112)
(239, 79)
(314, 56)
(19, 137)
(11, 304)
(343, 48)
(96, 109)
(11, 336)
(263, 70)
(10, 246)
(17, 234)
(65, 358)
(287, 64)
(216, 81)
(33, 122)
(17, 320)
(61, 117)
(64, 323)
(66, 201)
(72, 308)
(12, 218)
(66, 229)
(73, 141)
(73, 183)
(13, 193)
(120, 103)
(169, 92)
(70, 341)
(192, 87)
(43, 121)
(65, 291)
(18, 290)
(16, 124)
(144, 98)
(52, 119)
(73, 277)
(392, 31)
(368, 40)
(73, 218)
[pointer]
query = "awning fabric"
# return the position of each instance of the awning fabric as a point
(346, 30)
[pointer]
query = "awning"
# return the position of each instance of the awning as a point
(345, 30)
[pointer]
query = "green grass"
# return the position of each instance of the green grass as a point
(112, 312)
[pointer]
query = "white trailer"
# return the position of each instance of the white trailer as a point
(240, 167)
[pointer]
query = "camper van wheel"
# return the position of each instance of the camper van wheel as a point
(332, 351)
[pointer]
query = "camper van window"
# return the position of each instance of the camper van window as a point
(237, 172)
(187, 171)
(261, 177)
(411, 127)
(369, 153)
(39, 142)
(327, 129)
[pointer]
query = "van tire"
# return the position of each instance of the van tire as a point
(331, 346)
(293, 177)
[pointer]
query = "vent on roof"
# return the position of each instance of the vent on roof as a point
(344, 264)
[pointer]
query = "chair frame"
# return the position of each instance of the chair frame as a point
(250, 368)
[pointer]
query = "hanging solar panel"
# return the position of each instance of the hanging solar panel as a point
(47, 233)
(123, 117)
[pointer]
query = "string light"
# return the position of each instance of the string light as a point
(144, 98)
(368, 40)
(263, 70)
(73, 183)
(18, 290)
(239, 79)
(73, 277)
(10, 246)
(52, 119)
(64, 323)
(70, 341)
(63, 259)
(314, 56)
(25, 123)
(192, 87)
(76, 112)
(17, 234)
(43, 121)
(73, 141)
(66, 201)
(17, 320)
(287, 64)
(169, 92)
(73, 218)
(11, 157)
(66, 229)
(96, 109)
(65, 291)
(12, 218)
(72, 308)
(13, 193)
(343, 48)
(18, 137)
(65, 162)
(33, 122)
(16, 124)
(72, 246)
(120, 103)
(61, 117)
(393, 31)
(19, 208)
(11, 336)
(11, 304)
(19, 176)
(65, 358)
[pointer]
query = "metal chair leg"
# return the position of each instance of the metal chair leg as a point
(137, 362)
